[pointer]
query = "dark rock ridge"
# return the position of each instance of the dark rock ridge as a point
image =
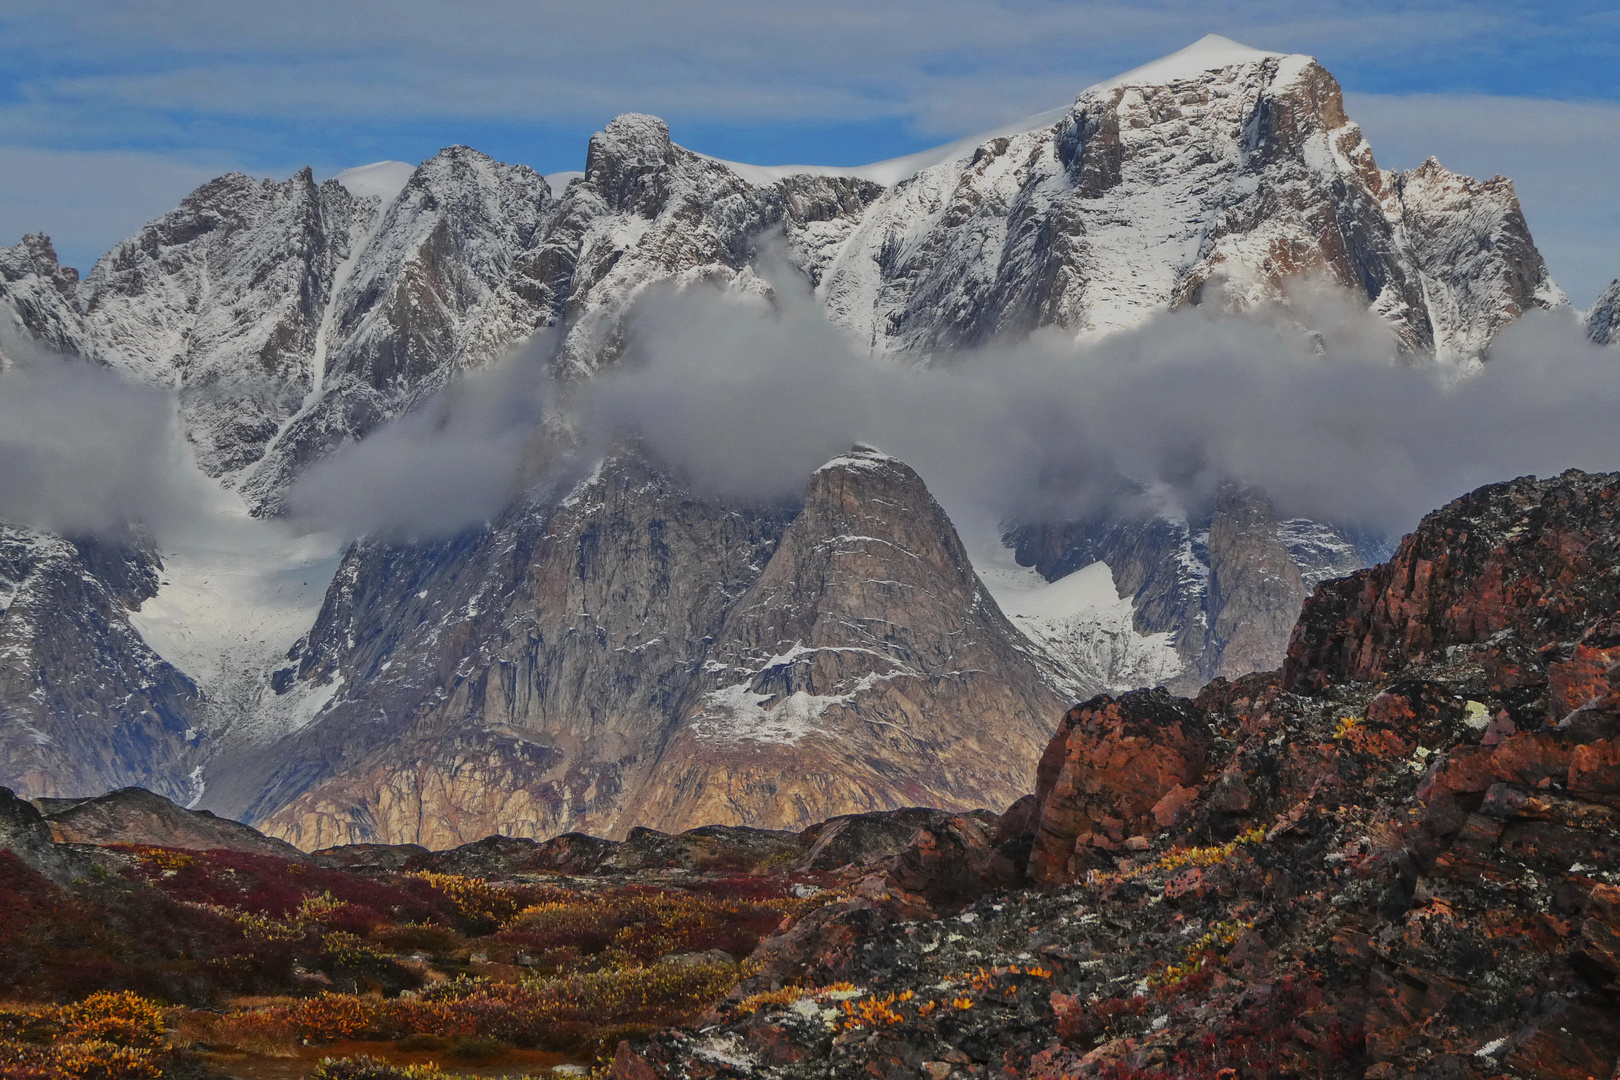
(85, 704)
(25, 834)
(1516, 570)
(137, 816)
(635, 653)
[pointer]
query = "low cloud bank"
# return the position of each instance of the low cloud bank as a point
(1333, 424)
(450, 463)
(746, 397)
(83, 451)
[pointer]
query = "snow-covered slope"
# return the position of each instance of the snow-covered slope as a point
(234, 598)
(1603, 317)
(1084, 623)
(1219, 593)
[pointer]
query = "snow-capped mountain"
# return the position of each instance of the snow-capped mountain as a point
(295, 317)
(222, 299)
(1218, 171)
(1603, 317)
(627, 650)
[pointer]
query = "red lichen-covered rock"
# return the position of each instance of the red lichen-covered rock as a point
(1594, 772)
(1585, 675)
(1107, 771)
(628, 1065)
(1536, 557)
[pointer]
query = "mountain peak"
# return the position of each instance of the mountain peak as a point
(634, 137)
(1209, 53)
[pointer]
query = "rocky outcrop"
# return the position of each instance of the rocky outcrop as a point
(648, 211)
(1400, 868)
(24, 833)
(137, 816)
(1116, 771)
(40, 292)
(1518, 569)
(1472, 251)
(85, 704)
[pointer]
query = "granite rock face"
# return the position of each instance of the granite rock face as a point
(866, 669)
(516, 679)
(636, 654)
(222, 299)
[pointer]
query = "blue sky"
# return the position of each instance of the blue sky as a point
(111, 112)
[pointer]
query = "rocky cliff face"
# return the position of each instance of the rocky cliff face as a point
(85, 704)
(635, 653)
(517, 679)
(648, 211)
(1479, 268)
(867, 668)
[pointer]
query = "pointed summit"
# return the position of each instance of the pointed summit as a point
(1209, 53)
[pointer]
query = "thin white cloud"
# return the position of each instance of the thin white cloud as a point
(949, 65)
